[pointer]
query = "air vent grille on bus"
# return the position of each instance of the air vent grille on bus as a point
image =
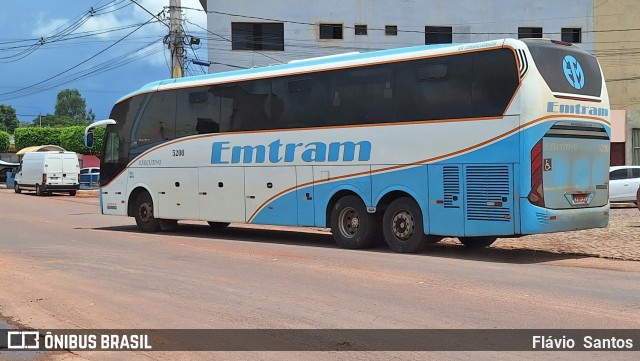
(487, 193)
(577, 130)
(524, 63)
(451, 185)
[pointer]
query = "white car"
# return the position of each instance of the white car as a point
(623, 183)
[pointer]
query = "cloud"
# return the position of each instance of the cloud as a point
(115, 15)
(45, 26)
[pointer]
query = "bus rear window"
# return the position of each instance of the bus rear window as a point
(566, 69)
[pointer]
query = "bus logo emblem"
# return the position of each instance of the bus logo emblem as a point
(573, 72)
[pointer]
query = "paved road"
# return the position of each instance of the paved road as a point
(66, 266)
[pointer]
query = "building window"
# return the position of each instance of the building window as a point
(361, 29)
(525, 32)
(571, 35)
(635, 145)
(257, 36)
(330, 31)
(391, 30)
(438, 35)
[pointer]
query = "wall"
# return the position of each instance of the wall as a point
(633, 121)
(617, 51)
(10, 157)
(472, 20)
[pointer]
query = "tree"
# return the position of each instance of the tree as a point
(69, 138)
(50, 120)
(72, 139)
(71, 104)
(5, 141)
(8, 119)
(28, 137)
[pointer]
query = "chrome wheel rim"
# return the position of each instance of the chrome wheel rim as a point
(349, 222)
(403, 225)
(145, 212)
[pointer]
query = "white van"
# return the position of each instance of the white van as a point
(47, 172)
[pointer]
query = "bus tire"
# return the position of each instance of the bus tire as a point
(477, 242)
(351, 225)
(16, 188)
(39, 190)
(72, 193)
(403, 227)
(218, 225)
(143, 213)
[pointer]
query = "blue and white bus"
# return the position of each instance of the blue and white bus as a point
(477, 141)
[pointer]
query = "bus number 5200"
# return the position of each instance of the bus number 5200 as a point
(178, 152)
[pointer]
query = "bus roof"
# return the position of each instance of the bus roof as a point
(328, 62)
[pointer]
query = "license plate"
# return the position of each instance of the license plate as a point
(580, 198)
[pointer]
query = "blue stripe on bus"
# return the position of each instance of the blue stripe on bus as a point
(417, 181)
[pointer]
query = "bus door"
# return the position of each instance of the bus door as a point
(177, 198)
(221, 194)
(265, 198)
(446, 206)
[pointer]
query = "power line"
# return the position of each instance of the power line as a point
(150, 13)
(229, 40)
(17, 93)
(412, 31)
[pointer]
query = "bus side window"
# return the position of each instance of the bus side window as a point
(158, 120)
(198, 112)
(300, 102)
(364, 95)
(432, 71)
(207, 125)
(111, 148)
(244, 106)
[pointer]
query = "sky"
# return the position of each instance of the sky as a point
(49, 46)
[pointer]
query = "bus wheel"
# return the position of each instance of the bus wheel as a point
(39, 191)
(218, 225)
(16, 188)
(72, 193)
(351, 225)
(477, 242)
(143, 213)
(402, 226)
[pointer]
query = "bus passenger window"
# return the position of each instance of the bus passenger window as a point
(207, 125)
(246, 106)
(432, 71)
(198, 112)
(158, 120)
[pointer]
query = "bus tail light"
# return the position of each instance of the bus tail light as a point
(536, 195)
(44, 178)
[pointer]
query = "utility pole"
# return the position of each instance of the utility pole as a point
(176, 39)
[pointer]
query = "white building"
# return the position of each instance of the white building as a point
(246, 33)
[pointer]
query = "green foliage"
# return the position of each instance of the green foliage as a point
(69, 138)
(8, 119)
(70, 104)
(50, 120)
(4, 141)
(28, 137)
(72, 139)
